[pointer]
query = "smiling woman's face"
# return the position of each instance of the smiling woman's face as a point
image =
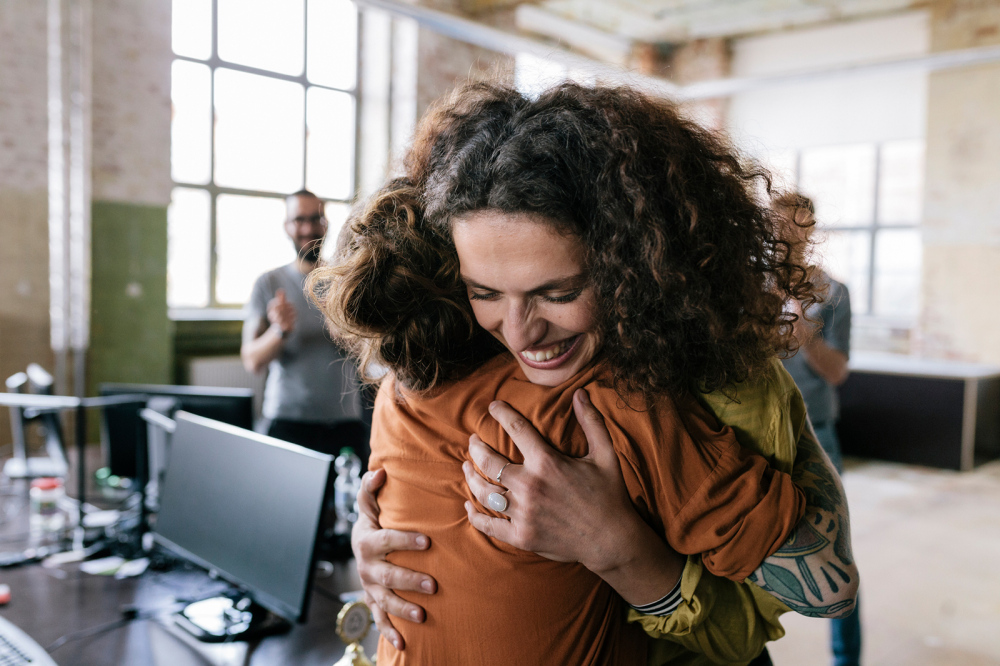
(528, 286)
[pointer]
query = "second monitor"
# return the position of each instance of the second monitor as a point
(123, 430)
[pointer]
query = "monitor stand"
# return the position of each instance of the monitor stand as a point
(225, 619)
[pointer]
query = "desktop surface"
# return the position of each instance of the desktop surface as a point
(47, 607)
(50, 603)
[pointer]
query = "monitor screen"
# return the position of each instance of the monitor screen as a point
(122, 430)
(247, 506)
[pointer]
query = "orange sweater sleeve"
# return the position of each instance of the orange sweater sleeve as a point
(709, 496)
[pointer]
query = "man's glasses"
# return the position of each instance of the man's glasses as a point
(311, 220)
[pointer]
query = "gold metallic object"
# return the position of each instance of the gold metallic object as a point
(353, 623)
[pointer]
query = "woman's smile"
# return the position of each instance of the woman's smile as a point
(548, 357)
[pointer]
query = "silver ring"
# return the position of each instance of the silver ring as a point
(497, 502)
(500, 473)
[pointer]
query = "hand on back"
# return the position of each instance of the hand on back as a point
(379, 578)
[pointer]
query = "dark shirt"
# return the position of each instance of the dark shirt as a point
(833, 316)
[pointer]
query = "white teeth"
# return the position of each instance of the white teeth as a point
(548, 354)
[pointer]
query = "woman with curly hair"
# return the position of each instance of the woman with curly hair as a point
(587, 247)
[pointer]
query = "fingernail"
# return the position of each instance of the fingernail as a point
(422, 541)
(415, 614)
(396, 643)
(427, 586)
(584, 397)
(493, 407)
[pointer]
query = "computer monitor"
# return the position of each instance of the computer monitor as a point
(123, 431)
(248, 507)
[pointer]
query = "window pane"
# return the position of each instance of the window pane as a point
(901, 182)
(333, 43)
(191, 28)
(336, 215)
(250, 239)
(188, 248)
(191, 125)
(258, 133)
(267, 34)
(846, 255)
(898, 258)
(330, 144)
(841, 182)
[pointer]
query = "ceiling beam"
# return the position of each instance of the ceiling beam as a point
(487, 37)
(501, 41)
(932, 62)
(582, 37)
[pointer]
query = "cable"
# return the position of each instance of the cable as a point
(129, 613)
(92, 631)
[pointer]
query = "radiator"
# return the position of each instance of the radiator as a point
(228, 372)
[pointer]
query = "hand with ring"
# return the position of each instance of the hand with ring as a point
(495, 500)
(562, 508)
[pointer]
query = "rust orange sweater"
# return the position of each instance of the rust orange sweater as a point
(495, 604)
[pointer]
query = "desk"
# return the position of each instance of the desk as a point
(920, 411)
(47, 607)
(50, 603)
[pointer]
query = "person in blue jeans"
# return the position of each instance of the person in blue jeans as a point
(819, 367)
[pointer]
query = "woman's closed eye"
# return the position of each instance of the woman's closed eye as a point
(550, 297)
(563, 298)
(482, 295)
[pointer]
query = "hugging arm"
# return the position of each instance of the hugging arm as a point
(814, 572)
(379, 578)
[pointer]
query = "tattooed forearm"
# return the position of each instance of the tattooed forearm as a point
(814, 571)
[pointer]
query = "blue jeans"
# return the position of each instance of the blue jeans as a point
(845, 633)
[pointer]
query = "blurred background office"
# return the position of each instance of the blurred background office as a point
(146, 147)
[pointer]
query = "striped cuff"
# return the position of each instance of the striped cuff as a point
(664, 606)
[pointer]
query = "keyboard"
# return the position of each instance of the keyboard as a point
(19, 649)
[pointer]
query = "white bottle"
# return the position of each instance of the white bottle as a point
(345, 490)
(48, 520)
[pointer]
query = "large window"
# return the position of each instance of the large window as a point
(868, 207)
(264, 104)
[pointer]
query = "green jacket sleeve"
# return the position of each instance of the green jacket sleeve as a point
(719, 622)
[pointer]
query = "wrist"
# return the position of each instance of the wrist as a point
(280, 332)
(630, 542)
(640, 566)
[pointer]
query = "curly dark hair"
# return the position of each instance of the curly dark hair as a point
(689, 265)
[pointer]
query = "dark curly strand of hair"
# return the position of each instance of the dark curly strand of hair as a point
(690, 267)
(393, 297)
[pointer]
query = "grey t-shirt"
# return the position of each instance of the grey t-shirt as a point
(310, 380)
(834, 315)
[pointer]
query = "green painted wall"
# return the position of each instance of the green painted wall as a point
(131, 335)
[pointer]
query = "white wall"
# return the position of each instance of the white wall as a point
(844, 109)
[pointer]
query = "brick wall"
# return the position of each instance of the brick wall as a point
(961, 209)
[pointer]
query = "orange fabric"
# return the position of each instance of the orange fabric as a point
(497, 604)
